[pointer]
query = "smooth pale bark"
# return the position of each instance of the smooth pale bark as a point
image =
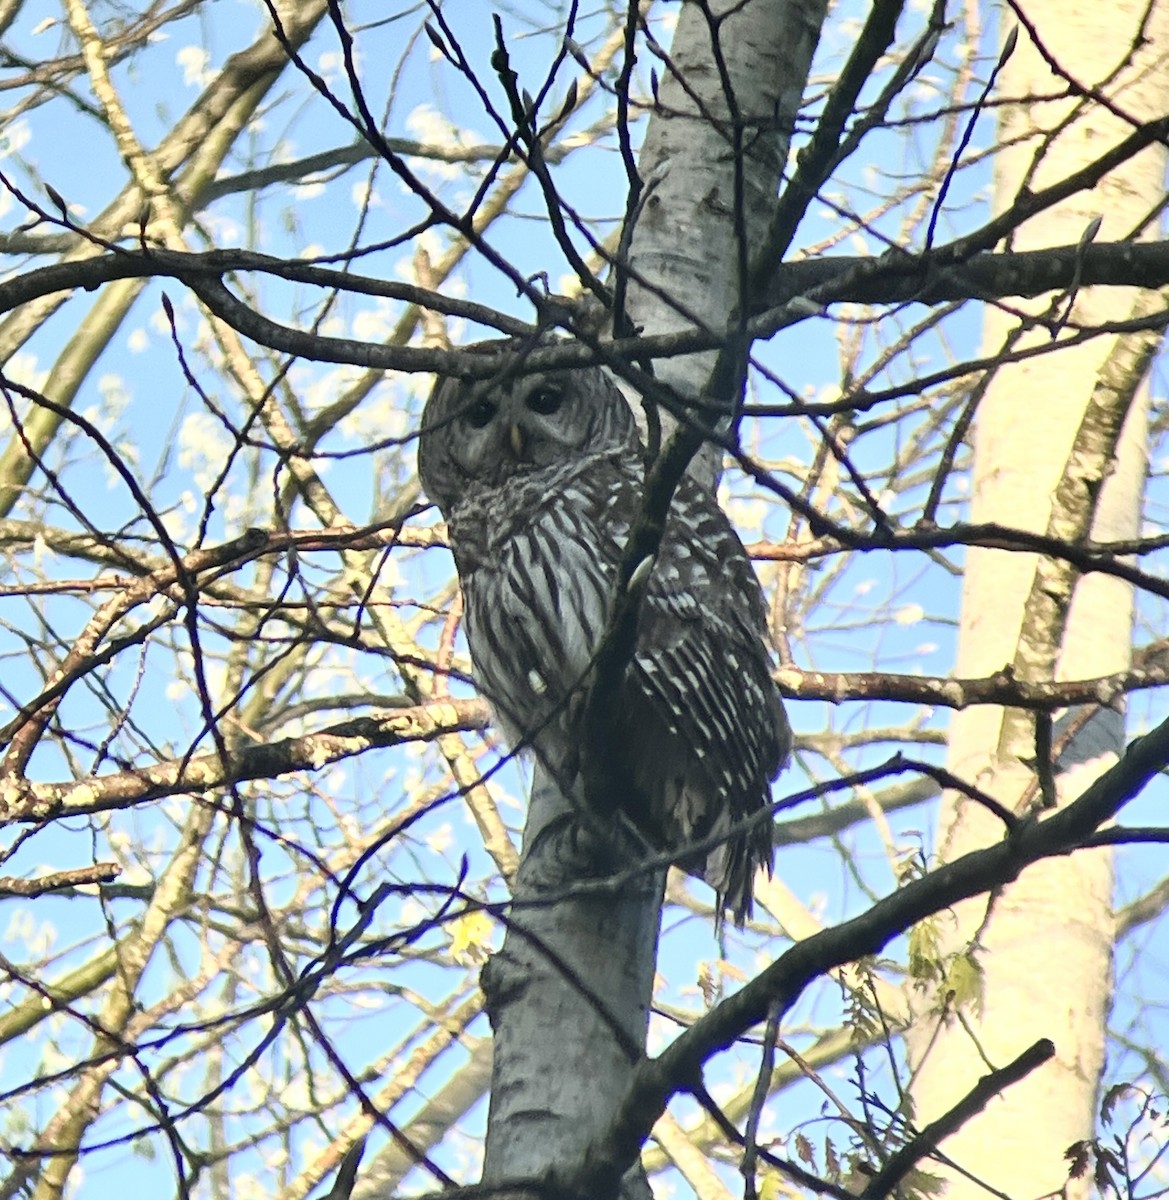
(686, 245)
(1046, 947)
(568, 996)
(561, 1067)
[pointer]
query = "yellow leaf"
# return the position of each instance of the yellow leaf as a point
(470, 937)
(964, 982)
(772, 1187)
(923, 950)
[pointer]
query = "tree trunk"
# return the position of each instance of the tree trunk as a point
(570, 991)
(1060, 446)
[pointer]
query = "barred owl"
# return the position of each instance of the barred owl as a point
(540, 479)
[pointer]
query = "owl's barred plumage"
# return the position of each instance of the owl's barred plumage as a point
(541, 479)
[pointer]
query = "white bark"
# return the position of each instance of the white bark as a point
(685, 244)
(560, 1069)
(568, 995)
(1045, 948)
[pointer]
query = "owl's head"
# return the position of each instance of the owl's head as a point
(477, 435)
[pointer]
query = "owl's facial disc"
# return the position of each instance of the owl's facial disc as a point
(539, 428)
(483, 435)
(535, 424)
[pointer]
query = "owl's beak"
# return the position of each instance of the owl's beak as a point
(516, 438)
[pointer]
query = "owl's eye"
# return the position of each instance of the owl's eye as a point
(545, 400)
(479, 414)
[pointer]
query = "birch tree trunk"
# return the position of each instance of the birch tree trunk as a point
(1060, 446)
(569, 993)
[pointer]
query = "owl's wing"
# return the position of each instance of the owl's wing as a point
(709, 731)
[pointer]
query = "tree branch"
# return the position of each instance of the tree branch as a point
(893, 278)
(983, 1092)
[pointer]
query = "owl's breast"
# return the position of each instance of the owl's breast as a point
(537, 568)
(591, 501)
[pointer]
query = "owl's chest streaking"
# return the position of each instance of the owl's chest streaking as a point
(537, 557)
(595, 500)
